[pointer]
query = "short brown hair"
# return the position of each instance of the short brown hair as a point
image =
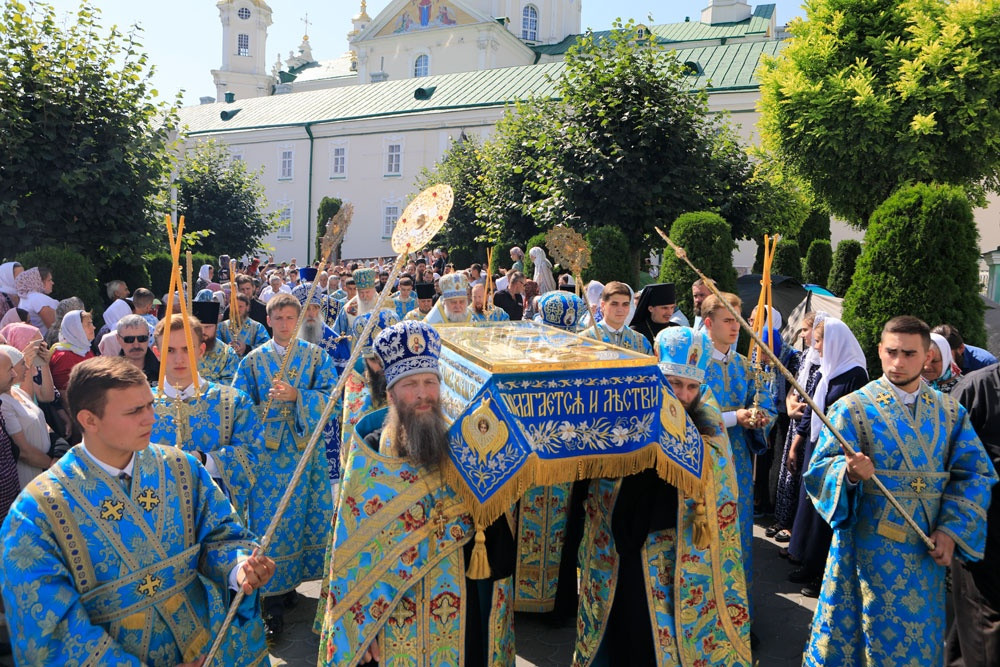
(283, 301)
(703, 282)
(91, 379)
(177, 324)
(615, 288)
(713, 303)
(908, 324)
(142, 297)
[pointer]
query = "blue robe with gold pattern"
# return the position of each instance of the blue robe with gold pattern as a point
(301, 536)
(252, 333)
(696, 597)
(882, 603)
(541, 534)
(398, 567)
(219, 421)
(97, 575)
(219, 364)
(734, 388)
(627, 338)
(403, 306)
(492, 315)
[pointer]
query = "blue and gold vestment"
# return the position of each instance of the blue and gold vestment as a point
(733, 386)
(219, 421)
(627, 338)
(403, 306)
(219, 364)
(398, 567)
(331, 307)
(252, 333)
(882, 603)
(492, 315)
(696, 597)
(300, 540)
(541, 534)
(95, 574)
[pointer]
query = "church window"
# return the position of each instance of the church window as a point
(389, 219)
(244, 13)
(284, 231)
(243, 44)
(422, 65)
(394, 160)
(529, 24)
(287, 159)
(338, 162)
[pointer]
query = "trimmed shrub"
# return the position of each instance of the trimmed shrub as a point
(819, 261)
(708, 240)
(787, 260)
(815, 227)
(609, 256)
(529, 266)
(501, 257)
(72, 273)
(328, 207)
(844, 260)
(920, 258)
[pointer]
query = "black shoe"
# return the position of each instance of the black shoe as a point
(274, 626)
(783, 553)
(801, 576)
(773, 529)
(811, 590)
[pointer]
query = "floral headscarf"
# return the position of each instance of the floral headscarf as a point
(29, 281)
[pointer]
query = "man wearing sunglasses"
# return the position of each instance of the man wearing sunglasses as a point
(133, 337)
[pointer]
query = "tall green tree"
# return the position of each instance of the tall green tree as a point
(872, 94)
(921, 258)
(787, 259)
(83, 145)
(818, 262)
(328, 207)
(220, 195)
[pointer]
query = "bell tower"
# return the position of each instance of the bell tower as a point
(244, 41)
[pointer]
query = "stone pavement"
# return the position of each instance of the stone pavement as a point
(782, 622)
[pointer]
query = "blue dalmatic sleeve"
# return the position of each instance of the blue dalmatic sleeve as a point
(835, 498)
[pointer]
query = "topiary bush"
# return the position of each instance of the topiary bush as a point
(844, 260)
(920, 258)
(609, 256)
(529, 266)
(708, 240)
(815, 227)
(158, 266)
(72, 273)
(818, 262)
(787, 260)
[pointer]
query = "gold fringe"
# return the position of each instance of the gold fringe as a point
(701, 536)
(537, 472)
(479, 564)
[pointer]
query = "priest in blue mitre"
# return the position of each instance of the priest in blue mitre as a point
(290, 399)
(882, 601)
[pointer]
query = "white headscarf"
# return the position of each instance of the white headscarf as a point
(117, 310)
(205, 273)
(775, 318)
(71, 335)
(7, 278)
(13, 353)
(543, 271)
(841, 353)
(594, 291)
(946, 358)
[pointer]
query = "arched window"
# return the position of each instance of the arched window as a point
(529, 24)
(422, 65)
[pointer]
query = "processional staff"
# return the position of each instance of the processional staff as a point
(682, 254)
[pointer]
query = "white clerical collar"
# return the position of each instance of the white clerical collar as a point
(172, 392)
(280, 349)
(719, 356)
(614, 331)
(111, 470)
(908, 398)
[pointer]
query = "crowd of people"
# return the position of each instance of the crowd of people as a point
(136, 549)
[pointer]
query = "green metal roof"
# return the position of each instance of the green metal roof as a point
(687, 31)
(729, 67)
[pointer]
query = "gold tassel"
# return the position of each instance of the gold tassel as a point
(702, 539)
(479, 564)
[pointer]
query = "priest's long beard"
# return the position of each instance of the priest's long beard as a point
(210, 344)
(366, 305)
(310, 331)
(421, 437)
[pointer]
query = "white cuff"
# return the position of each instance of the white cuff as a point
(729, 419)
(211, 466)
(233, 585)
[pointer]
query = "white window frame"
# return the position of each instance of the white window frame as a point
(334, 173)
(391, 210)
(394, 148)
(426, 68)
(529, 15)
(284, 175)
(243, 44)
(236, 154)
(286, 216)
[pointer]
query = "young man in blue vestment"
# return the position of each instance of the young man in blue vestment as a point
(617, 305)
(882, 602)
(126, 553)
(289, 405)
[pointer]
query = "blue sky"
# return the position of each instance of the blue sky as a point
(183, 37)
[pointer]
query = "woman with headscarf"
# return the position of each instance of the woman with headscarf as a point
(517, 256)
(8, 292)
(940, 370)
(13, 316)
(118, 309)
(842, 370)
(33, 288)
(25, 421)
(204, 277)
(593, 292)
(65, 305)
(37, 355)
(75, 337)
(543, 270)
